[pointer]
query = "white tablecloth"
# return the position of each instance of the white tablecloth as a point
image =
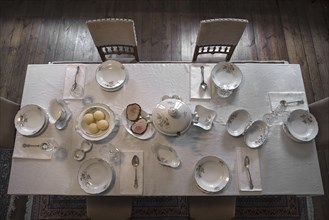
(286, 167)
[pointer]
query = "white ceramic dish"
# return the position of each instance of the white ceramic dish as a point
(166, 155)
(226, 76)
(110, 75)
(284, 128)
(256, 134)
(302, 125)
(172, 117)
(237, 122)
(31, 120)
(95, 175)
(205, 117)
(150, 131)
(82, 128)
(211, 174)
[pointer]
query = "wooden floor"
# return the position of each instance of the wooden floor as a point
(36, 31)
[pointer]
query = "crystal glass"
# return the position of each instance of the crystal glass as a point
(278, 116)
(111, 153)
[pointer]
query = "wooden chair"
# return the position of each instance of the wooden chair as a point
(320, 110)
(217, 39)
(115, 39)
(109, 207)
(8, 110)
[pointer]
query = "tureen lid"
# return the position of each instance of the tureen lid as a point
(172, 117)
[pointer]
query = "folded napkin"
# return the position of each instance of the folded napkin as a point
(69, 80)
(253, 167)
(276, 97)
(196, 91)
(33, 152)
(127, 173)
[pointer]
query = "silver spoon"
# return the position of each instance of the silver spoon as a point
(246, 164)
(203, 84)
(135, 163)
(44, 146)
(74, 85)
(285, 103)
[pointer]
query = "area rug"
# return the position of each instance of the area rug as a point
(52, 207)
(5, 164)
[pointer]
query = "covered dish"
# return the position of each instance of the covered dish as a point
(172, 116)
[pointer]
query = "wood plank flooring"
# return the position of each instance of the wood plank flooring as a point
(35, 31)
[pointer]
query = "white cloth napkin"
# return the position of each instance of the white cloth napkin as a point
(32, 152)
(276, 97)
(253, 167)
(127, 173)
(69, 80)
(195, 79)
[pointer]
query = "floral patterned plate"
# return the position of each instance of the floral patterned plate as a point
(256, 134)
(302, 125)
(95, 175)
(110, 75)
(237, 122)
(211, 174)
(226, 75)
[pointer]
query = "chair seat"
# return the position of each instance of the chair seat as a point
(8, 112)
(109, 207)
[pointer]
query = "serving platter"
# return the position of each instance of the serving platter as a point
(211, 174)
(95, 175)
(150, 131)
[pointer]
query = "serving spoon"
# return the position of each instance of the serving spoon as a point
(135, 163)
(203, 84)
(246, 164)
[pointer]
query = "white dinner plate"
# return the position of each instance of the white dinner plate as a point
(95, 175)
(211, 174)
(205, 117)
(302, 125)
(31, 120)
(127, 124)
(82, 128)
(256, 134)
(226, 76)
(111, 75)
(237, 122)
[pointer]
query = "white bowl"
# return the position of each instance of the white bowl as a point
(82, 127)
(302, 125)
(237, 122)
(226, 76)
(256, 134)
(110, 75)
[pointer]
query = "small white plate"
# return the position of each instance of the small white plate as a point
(95, 175)
(127, 124)
(226, 75)
(166, 155)
(211, 174)
(302, 125)
(237, 122)
(82, 128)
(256, 134)
(31, 120)
(111, 75)
(206, 117)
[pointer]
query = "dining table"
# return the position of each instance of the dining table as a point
(279, 166)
